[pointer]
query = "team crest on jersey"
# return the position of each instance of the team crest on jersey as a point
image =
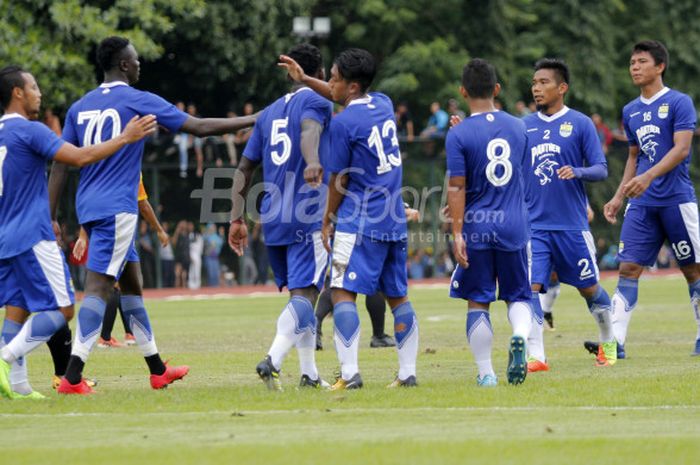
(649, 149)
(566, 129)
(490, 118)
(663, 111)
(545, 171)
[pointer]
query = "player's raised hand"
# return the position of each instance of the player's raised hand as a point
(459, 247)
(238, 237)
(611, 208)
(455, 120)
(326, 234)
(138, 128)
(637, 185)
(313, 174)
(79, 248)
(566, 173)
(295, 71)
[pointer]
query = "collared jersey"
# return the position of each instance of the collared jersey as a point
(25, 148)
(110, 186)
(567, 137)
(489, 150)
(650, 124)
(365, 146)
(290, 208)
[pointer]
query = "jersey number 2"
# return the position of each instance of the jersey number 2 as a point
(96, 120)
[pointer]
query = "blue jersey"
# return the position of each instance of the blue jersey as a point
(110, 186)
(567, 137)
(489, 150)
(650, 125)
(366, 148)
(290, 209)
(25, 148)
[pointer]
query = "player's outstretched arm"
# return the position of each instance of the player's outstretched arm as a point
(137, 129)
(310, 139)
(296, 73)
(681, 147)
(238, 231)
(57, 182)
(202, 127)
(611, 208)
(456, 201)
(336, 192)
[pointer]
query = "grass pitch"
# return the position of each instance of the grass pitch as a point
(644, 410)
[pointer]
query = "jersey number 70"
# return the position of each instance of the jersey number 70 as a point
(96, 120)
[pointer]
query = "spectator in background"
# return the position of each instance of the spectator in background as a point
(665, 259)
(532, 106)
(243, 135)
(230, 142)
(604, 133)
(146, 255)
(521, 109)
(259, 251)
(454, 110)
(417, 265)
(52, 121)
(404, 122)
(182, 140)
(437, 123)
(196, 142)
(167, 261)
(181, 247)
(212, 247)
(619, 134)
(445, 266)
(609, 260)
(194, 280)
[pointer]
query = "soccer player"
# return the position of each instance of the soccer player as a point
(485, 159)
(659, 125)
(33, 273)
(291, 140)
(107, 207)
(364, 199)
(563, 151)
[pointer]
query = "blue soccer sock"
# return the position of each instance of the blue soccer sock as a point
(139, 325)
(406, 333)
(480, 339)
(535, 340)
(347, 337)
(296, 317)
(622, 304)
(89, 326)
(37, 330)
(694, 290)
(600, 307)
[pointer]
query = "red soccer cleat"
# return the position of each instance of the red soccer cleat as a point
(82, 388)
(534, 365)
(170, 375)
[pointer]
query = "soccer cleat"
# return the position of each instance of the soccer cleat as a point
(592, 348)
(534, 365)
(109, 343)
(517, 364)
(382, 341)
(5, 388)
(31, 396)
(408, 382)
(307, 382)
(353, 383)
(129, 339)
(269, 374)
(549, 318)
(486, 381)
(81, 388)
(169, 376)
(56, 381)
(607, 354)
(695, 353)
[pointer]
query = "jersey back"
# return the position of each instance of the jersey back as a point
(365, 146)
(110, 186)
(566, 138)
(650, 125)
(489, 150)
(25, 148)
(290, 209)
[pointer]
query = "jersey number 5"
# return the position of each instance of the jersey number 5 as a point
(498, 153)
(3, 154)
(279, 136)
(386, 162)
(96, 120)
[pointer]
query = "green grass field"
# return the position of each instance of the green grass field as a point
(644, 410)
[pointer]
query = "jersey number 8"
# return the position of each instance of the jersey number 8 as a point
(498, 153)
(96, 120)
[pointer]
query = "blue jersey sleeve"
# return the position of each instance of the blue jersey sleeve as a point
(318, 109)
(254, 147)
(43, 141)
(590, 143)
(685, 115)
(167, 114)
(341, 155)
(69, 133)
(456, 165)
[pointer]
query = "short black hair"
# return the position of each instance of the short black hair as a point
(308, 56)
(561, 70)
(479, 78)
(656, 49)
(358, 65)
(109, 52)
(10, 77)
